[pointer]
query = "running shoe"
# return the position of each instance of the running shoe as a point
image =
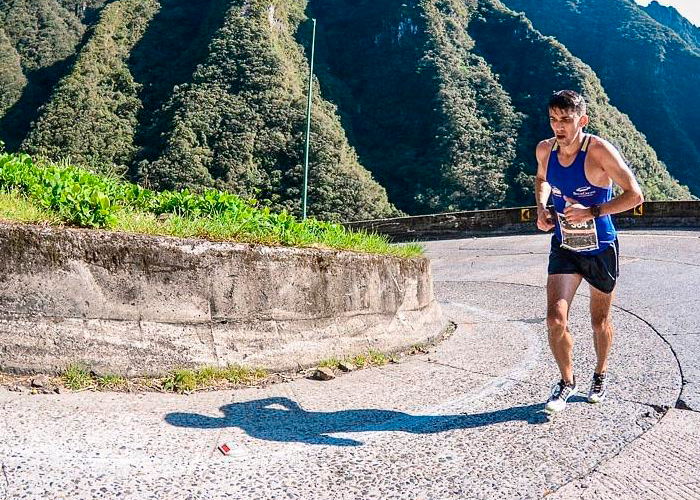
(560, 395)
(598, 388)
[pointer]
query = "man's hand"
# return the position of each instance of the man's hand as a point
(544, 219)
(576, 213)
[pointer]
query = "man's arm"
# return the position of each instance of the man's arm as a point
(609, 159)
(542, 187)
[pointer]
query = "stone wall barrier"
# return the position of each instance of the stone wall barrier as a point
(141, 305)
(522, 220)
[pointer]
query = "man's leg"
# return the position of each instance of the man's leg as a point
(561, 289)
(602, 327)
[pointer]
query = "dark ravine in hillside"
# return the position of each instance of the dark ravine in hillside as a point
(45, 34)
(646, 69)
(670, 17)
(165, 57)
(86, 10)
(422, 111)
(388, 120)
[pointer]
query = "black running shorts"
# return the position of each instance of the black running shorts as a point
(600, 270)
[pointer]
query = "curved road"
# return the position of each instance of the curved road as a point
(463, 421)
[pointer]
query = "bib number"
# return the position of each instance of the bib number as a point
(578, 237)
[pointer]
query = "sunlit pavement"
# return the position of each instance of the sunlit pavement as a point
(463, 421)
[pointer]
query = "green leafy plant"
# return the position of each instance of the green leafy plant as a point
(77, 377)
(77, 196)
(187, 380)
(85, 199)
(329, 363)
(180, 381)
(378, 358)
(360, 360)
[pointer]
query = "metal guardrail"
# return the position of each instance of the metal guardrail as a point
(521, 220)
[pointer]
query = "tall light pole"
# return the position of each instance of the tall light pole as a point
(308, 119)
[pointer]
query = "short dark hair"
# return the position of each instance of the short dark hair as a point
(568, 100)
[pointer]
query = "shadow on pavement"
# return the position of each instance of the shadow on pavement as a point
(281, 419)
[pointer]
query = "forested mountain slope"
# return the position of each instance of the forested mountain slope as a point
(92, 114)
(670, 17)
(451, 96)
(216, 101)
(648, 71)
(441, 101)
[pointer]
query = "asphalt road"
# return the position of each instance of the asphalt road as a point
(463, 421)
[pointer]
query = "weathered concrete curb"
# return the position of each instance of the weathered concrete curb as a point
(521, 220)
(141, 305)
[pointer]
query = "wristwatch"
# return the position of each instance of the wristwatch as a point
(595, 210)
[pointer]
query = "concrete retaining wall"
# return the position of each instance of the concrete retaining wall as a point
(137, 305)
(658, 214)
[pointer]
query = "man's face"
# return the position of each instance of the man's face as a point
(566, 125)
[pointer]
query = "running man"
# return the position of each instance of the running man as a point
(579, 170)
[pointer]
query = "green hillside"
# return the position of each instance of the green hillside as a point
(229, 113)
(648, 71)
(499, 32)
(427, 106)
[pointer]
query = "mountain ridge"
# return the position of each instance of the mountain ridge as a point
(671, 18)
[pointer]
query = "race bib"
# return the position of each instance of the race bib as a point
(578, 237)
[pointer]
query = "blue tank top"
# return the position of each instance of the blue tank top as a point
(591, 237)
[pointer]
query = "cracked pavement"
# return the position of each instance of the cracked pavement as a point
(463, 421)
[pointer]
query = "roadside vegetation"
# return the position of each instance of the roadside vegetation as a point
(61, 194)
(77, 377)
(363, 360)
